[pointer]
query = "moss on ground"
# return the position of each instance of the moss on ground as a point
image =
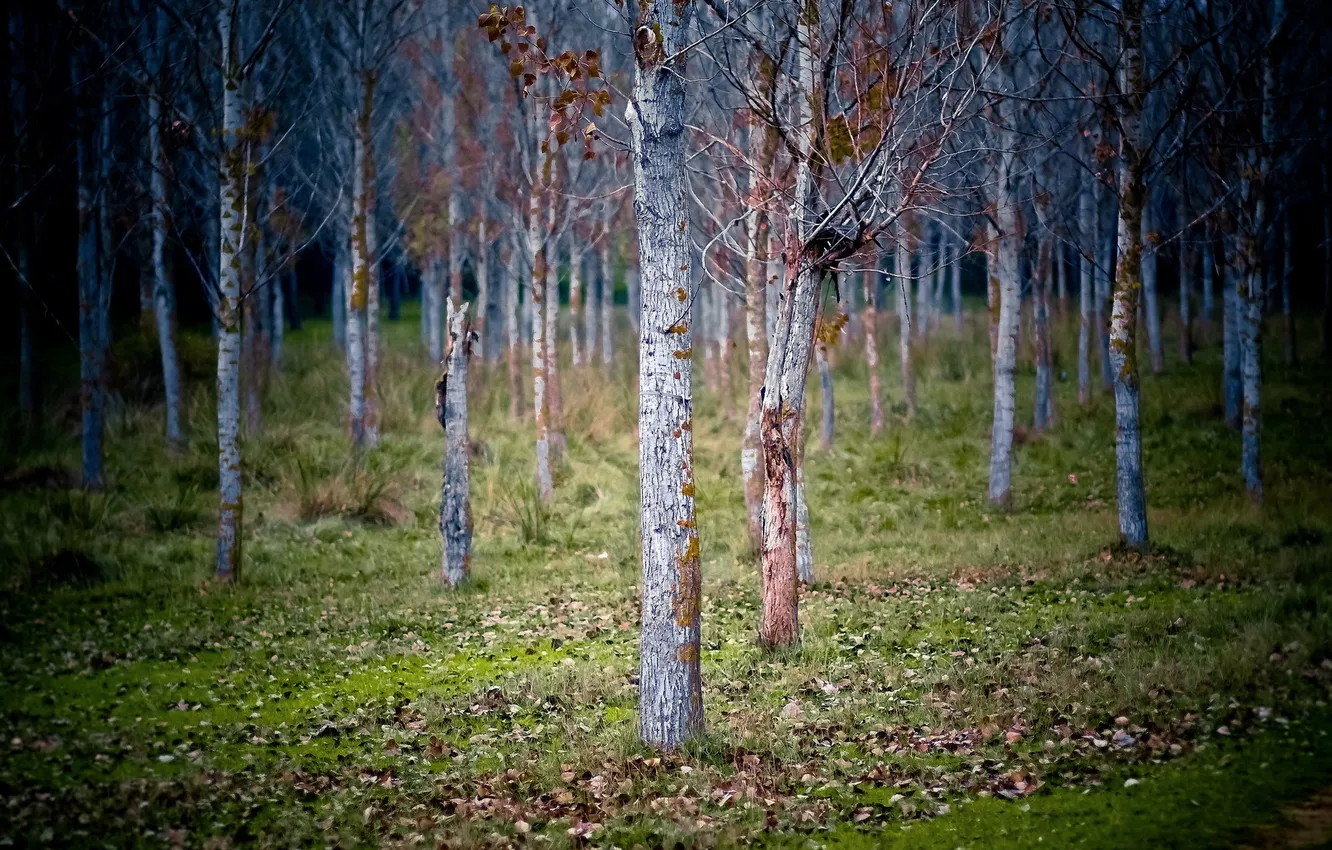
(966, 677)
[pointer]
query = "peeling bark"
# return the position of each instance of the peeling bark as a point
(787, 371)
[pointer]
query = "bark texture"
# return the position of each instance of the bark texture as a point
(231, 234)
(756, 339)
(786, 373)
(455, 511)
(1007, 257)
(1129, 490)
(670, 684)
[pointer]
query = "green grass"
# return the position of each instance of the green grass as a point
(966, 677)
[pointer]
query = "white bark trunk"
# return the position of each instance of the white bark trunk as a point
(1129, 488)
(670, 684)
(231, 234)
(455, 512)
(482, 314)
(575, 305)
(1005, 358)
(357, 295)
(163, 297)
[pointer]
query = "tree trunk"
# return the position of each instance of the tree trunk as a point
(921, 280)
(395, 287)
(787, 371)
(1208, 280)
(670, 684)
(513, 344)
(1105, 272)
(904, 271)
(231, 192)
(1151, 307)
(575, 305)
(1252, 300)
(1044, 414)
(955, 275)
(870, 318)
(1287, 316)
(724, 356)
(554, 399)
(254, 342)
(1185, 302)
(342, 264)
(592, 312)
(455, 246)
(1088, 221)
(163, 297)
(803, 542)
(1129, 491)
(705, 310)
(1250, 326)
(432, 298)
(284, 279)
(608, 306)
(1007, 256)
(1232, 382)
(21, 228)
(1327, 260)
(482, 316)
(828, 419)
(357, 294)
(372, 346)
(90, 147)
(992, 286)
(537, 255)
(757, 342)
(1061, 279)
(455, 511)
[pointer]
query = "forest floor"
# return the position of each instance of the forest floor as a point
(966, 678)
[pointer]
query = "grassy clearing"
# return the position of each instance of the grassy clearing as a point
(955, 660)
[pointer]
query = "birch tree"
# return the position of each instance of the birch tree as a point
(670, 684)
(455, 514)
